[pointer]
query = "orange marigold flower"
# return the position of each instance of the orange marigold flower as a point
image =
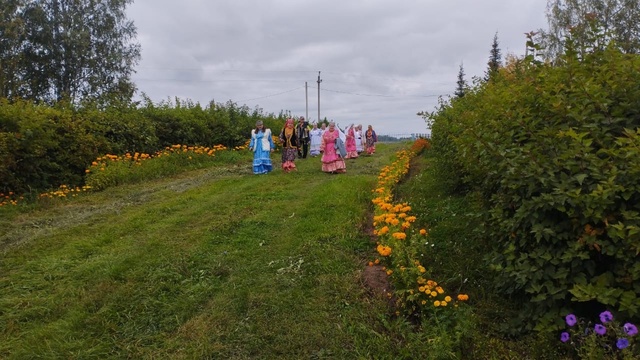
(423, 232)
(400, 235)
(384, 250)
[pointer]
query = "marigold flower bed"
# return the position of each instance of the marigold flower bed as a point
(398, 243)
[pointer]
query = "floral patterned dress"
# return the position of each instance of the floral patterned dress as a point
(332, 162)
(370, 141)
(289, 148)
(352, 150)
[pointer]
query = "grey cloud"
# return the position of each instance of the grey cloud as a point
(381, 61)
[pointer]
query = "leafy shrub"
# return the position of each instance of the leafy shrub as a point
(554, 150)
(126, 130)
(42, 145)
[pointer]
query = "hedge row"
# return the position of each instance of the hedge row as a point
(42, 147)
(555, 152)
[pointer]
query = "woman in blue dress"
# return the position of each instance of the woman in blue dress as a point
(262, 145)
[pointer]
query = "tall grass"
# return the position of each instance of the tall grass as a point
(207, 264)
(219, 263)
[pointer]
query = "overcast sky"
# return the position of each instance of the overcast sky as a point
(380, 61)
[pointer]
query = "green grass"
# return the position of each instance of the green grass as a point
(217, 263)
(456, 255)
(206, 264)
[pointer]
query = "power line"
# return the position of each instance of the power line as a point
(280, 93)
(378, 77)
(218, 80)
(284, 71)
(378, 95)
(222, 70)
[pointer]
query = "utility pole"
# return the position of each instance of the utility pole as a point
(306, 99)
(319, 81)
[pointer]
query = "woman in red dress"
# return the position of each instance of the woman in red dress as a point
(370, 139)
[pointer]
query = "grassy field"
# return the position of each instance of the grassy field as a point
(213, 263)
(219, 263)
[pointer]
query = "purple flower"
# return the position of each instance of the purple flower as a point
(622, 343)
(564, 337)
(571, 319)
(630, 329)
(600, 329)
(606, 316)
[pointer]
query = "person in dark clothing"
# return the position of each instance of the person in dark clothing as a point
(302, 133)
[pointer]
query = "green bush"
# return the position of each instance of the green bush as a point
(41, 146)
(554, 149)
(126, 130)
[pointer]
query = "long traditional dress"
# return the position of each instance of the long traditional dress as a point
(316, 140)
(370, 139)
(350, 144)
(331, 160)
(359, 147)
(289, 148)
(261, 144)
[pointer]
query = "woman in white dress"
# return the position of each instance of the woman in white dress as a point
(359, 142)
(316, 140)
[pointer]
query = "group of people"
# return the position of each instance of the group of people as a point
(330, 142)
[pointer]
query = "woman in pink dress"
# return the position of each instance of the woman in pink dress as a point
(332, 162)
(350, 143)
